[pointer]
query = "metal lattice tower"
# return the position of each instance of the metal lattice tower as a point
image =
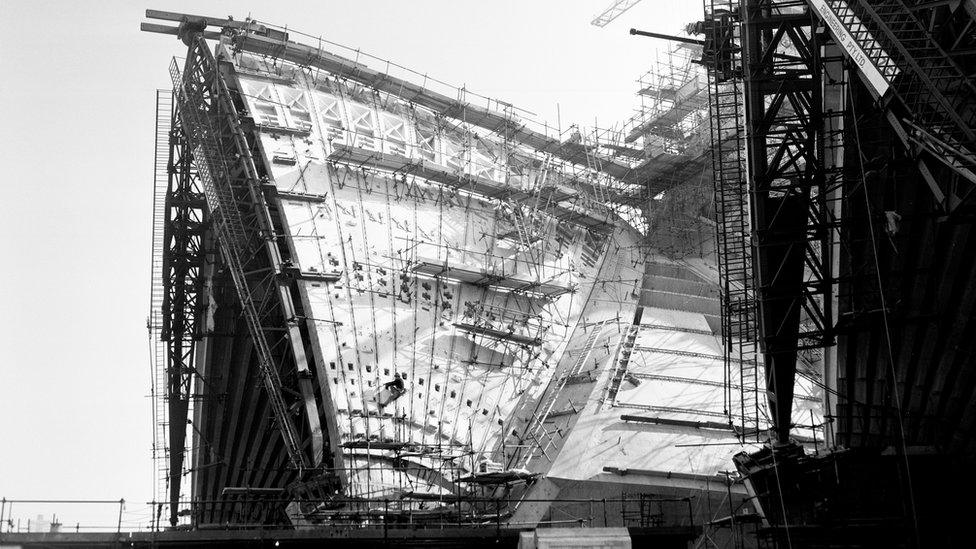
(934, 88)
(203, 111)
(935, 115)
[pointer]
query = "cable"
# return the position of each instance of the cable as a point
(884, 316)
(782, 503)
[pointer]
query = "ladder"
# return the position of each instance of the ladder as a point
(734, 243)
(595, 166)
(525, 238)
(518, 219)
(536, 430)
(202, 110)
(622, 360)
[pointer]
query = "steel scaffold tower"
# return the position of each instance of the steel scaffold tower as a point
(790, 214)
(179, 254)
(734, 245)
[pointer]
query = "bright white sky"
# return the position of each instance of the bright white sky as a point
(76, 146)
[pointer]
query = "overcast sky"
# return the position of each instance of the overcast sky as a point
(76, 150)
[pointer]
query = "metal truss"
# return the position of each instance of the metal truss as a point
(791, 217)
(184, 226)
(242, 221)
(791, 214)
(909, 43)
(933, 88)
(613, 11)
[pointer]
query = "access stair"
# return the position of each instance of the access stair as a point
(622, 360)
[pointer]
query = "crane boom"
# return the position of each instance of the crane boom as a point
(615, 10)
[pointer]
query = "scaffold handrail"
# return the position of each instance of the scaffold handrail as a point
(154, 324)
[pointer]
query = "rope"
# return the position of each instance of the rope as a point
(782, 504)
(884, 314)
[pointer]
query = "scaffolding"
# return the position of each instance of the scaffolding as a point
(670, 131)
(673, 108)
(174, 323)
(431, 236)
(734, 248)
(154, 322)
(547, 210)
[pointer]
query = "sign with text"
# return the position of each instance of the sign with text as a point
(869, 69)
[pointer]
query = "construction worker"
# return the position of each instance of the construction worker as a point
(720, 47)
(396, 386)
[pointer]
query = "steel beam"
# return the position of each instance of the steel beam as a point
(791, 218)
(184, 255)
(249, 247)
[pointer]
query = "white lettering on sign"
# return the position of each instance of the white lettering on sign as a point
(844, 37)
